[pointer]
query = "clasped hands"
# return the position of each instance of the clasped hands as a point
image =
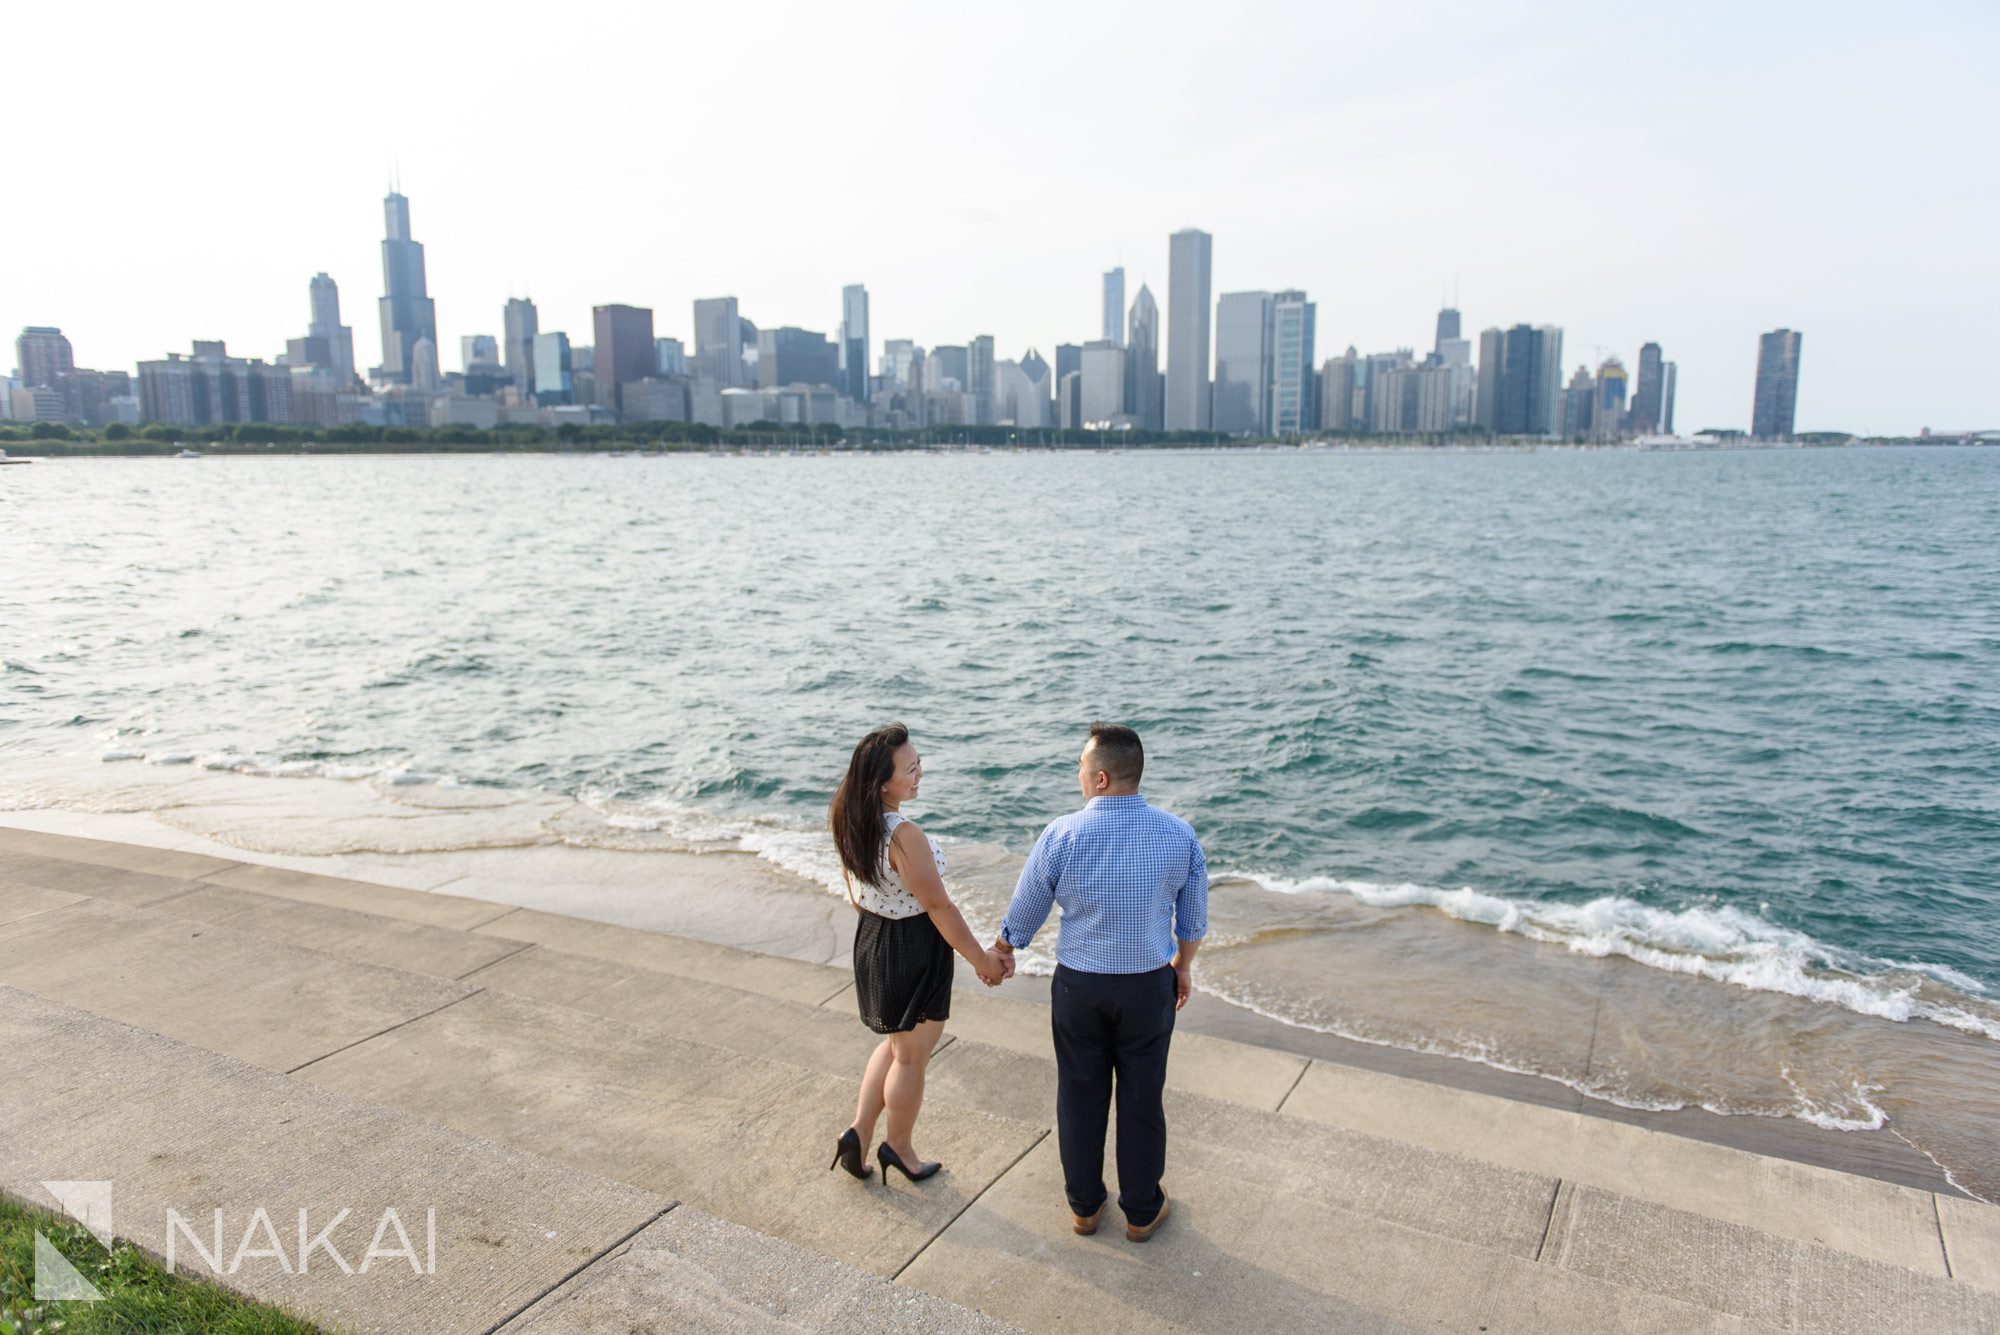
(997, 967)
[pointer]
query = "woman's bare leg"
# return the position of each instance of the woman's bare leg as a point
(903, 1090)
(868, 1107)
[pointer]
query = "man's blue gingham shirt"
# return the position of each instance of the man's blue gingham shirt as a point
(1130, 879)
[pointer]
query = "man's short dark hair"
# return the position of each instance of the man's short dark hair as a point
(1115, 749)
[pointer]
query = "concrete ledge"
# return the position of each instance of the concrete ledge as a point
(394, 943)
(25, 901)
(690, 1009)
(734, 1135)
(266, 1002)
(388, 901)
(1764, 1278)
(1235, 1257)
(172, 1126)
(748, 971)
(1971, 1233)
(132, 888)
(1214, 1147)
(105, 853)
(1859, 1215)
(691, 1271)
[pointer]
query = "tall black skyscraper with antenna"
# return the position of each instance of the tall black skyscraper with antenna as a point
(408, 313)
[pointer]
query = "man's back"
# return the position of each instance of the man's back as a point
(1130, 878)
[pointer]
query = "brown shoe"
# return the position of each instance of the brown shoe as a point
(1085, 1226)
(1135, 1234)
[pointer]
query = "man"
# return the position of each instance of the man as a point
(1134, 893)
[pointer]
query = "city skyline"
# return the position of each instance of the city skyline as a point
(1433, 161)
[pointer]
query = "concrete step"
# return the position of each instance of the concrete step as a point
(738, 1136)
(105, 853)
(1862, 1216)
(1268, 1256)
(1773, 1281)
(396, 943)
(744, 970)
(691, 1271)
(276, 1005)
(175, 1126)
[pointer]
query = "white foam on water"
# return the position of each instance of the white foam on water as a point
(1722, 943)
(114, 754)
(170, 758)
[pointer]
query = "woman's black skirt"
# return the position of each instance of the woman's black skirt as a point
(902, 972)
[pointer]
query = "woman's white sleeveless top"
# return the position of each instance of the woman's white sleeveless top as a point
(892, 899)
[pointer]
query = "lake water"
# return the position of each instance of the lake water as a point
(1696, 752)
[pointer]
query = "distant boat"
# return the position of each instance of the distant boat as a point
(190, 454)
(5, 460)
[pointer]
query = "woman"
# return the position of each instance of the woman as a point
(902, 946)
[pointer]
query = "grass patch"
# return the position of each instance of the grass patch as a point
(139, 1294)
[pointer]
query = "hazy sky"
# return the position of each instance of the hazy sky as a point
(1688, 173)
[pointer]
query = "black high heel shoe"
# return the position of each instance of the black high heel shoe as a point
(847, 1154)
(888, 1158)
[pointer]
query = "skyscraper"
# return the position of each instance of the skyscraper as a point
(1777, 385)
(408, 313)
(1028, 384)
(624, 351)
(1190, 253)
(979, 379)
(1667, 398)
(718, 341)
(946, 363)
(1145, 396)
(1642, 416)
(1447, 328)
(1577, 401)
(1294, 406)
(478, 350)
(1607, 407)
(794, 356)
(1114, 306)
(520, 326)
(1069, 357)
(1486, 409)
(326, 324)
(553, 383)
(1101, 392)
(854, 341)
(1527, 389)
(43, 355)
(1339, 386)
(1242, 391)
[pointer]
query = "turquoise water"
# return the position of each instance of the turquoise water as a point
(1734, 716)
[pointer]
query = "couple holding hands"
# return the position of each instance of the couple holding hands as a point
(1134, 893)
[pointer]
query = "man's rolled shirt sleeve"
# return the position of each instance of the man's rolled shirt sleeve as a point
(1191, 905)
(1034, 894)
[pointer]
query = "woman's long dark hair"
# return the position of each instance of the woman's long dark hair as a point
(856, 813)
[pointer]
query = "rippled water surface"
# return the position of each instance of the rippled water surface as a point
(1729, 721)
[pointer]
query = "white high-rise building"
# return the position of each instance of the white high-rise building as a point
(1114, 306)
(1145, 395)
(854, 342)
(520, 326)
(1190, 257)
(1294, 400)
(1101, 396)
(1242, 391)
(718, 341)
